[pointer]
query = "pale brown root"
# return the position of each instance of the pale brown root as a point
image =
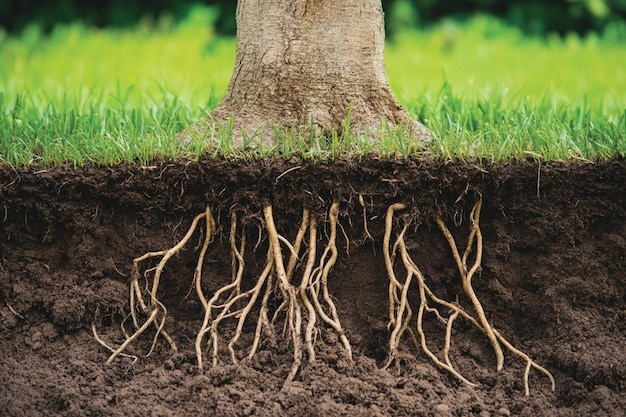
(293, 259)
(304, 225)
(135, 335)
(243, 315)
(321, 280)
(529, 363)
(287, 290)
(300, 303)
(15, 313)
(400, 313)
(232, 293)
(154, 307)
(276, 278)
(306, 296)
(264, 322)
(448, 340)
(345, 236)
(210, 231)
(365, 228)
(112, 350)
(403, 313)
(239, 262)
(209, 234)
(304, 285)
(394, 284)
(467, 275)
(236, 261)
(166, 257)
(395, 319)
(409, 264)
(136, 293)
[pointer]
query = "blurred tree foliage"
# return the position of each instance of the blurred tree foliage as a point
(15, 15)
(537, 17)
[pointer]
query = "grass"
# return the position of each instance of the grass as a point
(106, 96)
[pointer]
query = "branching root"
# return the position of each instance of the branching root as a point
(295, 278)
(302, 304)
(400, 313)
(152, 308)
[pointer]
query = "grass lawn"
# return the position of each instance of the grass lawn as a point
(487, 91)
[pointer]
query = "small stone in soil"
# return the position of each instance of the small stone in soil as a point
(442, 410)
(503, 412)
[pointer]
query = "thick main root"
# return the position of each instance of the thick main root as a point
(400, 312)
(300, 305)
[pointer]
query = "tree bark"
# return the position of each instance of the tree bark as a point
(311, 64)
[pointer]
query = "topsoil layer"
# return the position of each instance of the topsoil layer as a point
(552, 281)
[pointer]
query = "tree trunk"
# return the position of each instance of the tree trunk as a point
(311, 63)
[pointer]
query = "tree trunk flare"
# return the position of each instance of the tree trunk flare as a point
(311, 65)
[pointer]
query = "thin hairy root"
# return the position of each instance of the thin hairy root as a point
(103, 343)
(399, 306)
(365, 228)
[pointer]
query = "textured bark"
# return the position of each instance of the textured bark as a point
(303, 63)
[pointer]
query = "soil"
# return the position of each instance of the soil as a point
(552, 281)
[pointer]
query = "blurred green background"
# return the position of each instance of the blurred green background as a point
(531, 16)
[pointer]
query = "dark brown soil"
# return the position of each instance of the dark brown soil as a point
(553, 282)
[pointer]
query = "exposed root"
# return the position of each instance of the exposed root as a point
(154, 310)
(305, 301)
(400, 310)
(15, 313)
(468, 274)
(103, 343)
(320, 279)
(301, 303)
(365, 228)
(276, 276)
(233, 294)
(313, 287)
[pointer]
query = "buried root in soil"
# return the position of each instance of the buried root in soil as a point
(295, 279)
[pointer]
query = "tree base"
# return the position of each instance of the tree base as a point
(309, 70)
(257, 130)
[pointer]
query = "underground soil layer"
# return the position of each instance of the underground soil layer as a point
(551, 281)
